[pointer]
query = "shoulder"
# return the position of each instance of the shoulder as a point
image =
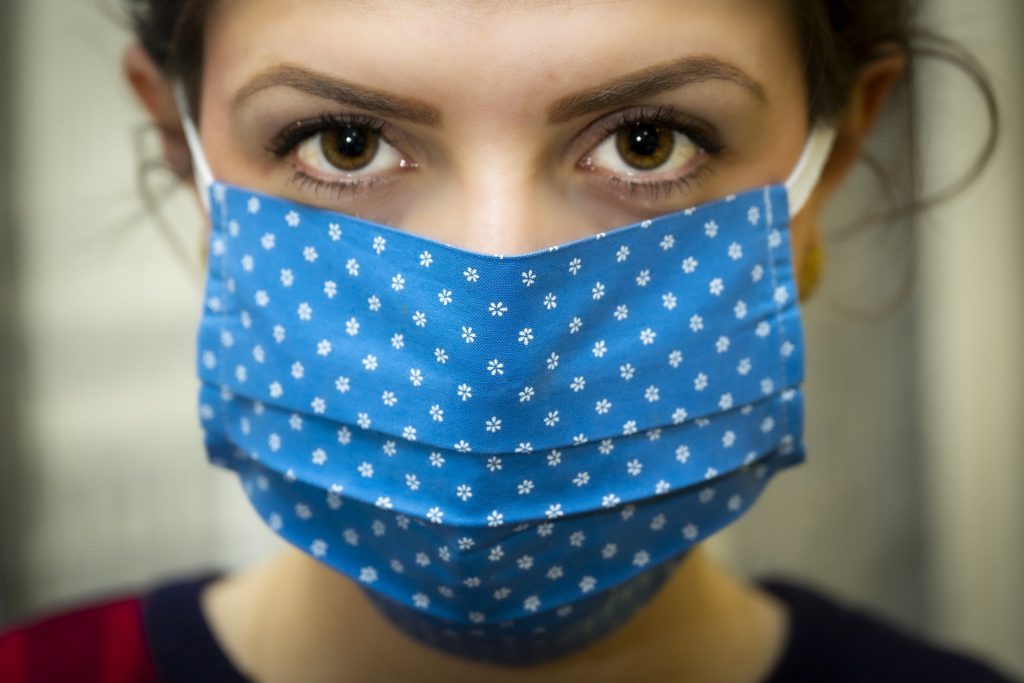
(832, 641)
(100, 643)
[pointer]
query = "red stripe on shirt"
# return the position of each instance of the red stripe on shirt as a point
(102, 643)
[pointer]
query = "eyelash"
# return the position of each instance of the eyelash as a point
(653, 190)
(285, 141)
(707, 142)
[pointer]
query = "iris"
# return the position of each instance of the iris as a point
(645, 146)
(349, 148)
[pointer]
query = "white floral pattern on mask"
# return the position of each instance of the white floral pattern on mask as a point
(469, 435)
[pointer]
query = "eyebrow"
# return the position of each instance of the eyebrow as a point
(344, 92)
(610, 94)
(651, 81)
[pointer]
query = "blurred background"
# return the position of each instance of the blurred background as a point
(911, 502)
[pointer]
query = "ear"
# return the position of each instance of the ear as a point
(867, 95)
(154, 92)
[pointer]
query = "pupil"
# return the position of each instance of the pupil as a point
(644, 139)
(352, 141)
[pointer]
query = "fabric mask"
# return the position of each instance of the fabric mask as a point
(509, 453)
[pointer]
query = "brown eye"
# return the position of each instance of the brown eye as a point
(349, 148)
(645, 146)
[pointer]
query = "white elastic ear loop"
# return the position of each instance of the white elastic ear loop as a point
(200, 169)
(808, 169)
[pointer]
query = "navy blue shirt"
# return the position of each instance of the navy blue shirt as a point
(828, 643)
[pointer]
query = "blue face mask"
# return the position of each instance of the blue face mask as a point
(509, 453)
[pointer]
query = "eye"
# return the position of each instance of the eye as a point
(351, 149)
(638, 148)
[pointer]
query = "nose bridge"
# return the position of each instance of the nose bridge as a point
(505, 213)
(511, 208)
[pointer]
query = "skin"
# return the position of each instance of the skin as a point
(498, 152)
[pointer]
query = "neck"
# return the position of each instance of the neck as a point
(296, 619)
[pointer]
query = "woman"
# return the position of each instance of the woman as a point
(505, 129)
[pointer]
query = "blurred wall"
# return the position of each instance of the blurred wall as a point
(113, 490)
(971, 350)
(910, 501)
(9, 329)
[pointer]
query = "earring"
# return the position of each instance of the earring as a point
(810, 271)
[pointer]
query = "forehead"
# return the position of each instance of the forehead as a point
(498, 53)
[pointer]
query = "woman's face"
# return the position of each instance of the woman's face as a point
(499, 126)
